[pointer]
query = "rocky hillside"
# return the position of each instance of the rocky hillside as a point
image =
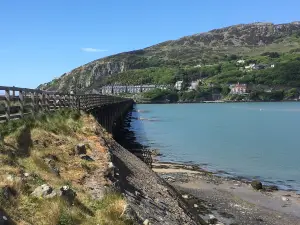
(200, 49)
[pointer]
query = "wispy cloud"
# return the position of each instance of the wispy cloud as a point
(93, 50)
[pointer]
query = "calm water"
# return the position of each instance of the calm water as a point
(258, 140)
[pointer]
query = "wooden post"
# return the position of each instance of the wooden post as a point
(41, 102)
(47, 107)
(21, 101)
(54, 101)
(7, 104)
(32, 94)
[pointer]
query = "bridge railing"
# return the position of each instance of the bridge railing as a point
(16, 103)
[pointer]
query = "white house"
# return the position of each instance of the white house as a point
(194, 85)
(178, 85)
(250, 67)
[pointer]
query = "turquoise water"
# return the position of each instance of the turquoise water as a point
(251, 140)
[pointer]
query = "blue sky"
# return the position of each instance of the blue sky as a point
(40, 40)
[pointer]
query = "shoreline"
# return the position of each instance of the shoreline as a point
(230, 197)
(209, 102)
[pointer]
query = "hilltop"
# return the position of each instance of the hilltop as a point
(169, 61)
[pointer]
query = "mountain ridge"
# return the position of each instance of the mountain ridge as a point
(198, 49)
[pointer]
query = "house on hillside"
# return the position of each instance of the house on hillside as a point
(194, 85)
(250, 67)
(238, 89)
(178, 85)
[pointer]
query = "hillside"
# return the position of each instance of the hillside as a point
(166, 62)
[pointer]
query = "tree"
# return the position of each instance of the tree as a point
(292, 93)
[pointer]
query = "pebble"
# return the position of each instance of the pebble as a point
(211, 216)
(146, 222)
(285, 199)
(4, 217)
(26, 174)
(195, 205)
(185, 196)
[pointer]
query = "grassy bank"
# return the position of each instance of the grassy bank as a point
(41, 151)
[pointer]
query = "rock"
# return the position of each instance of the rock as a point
(68, 194)
(110, 170)
(80, 149)
(257, 185)
(285, 199)
(26, 174)
(212, 219)
(185, 196)
(44, 191)
(146, 222)
(195, 206)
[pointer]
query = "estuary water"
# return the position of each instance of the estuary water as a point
(248, 140)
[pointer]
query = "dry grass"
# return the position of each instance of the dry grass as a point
(24, 147)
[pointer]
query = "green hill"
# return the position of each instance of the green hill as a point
(211, 56)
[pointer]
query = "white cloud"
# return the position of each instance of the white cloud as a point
(93, 50)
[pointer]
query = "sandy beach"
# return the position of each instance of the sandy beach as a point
(221, 200)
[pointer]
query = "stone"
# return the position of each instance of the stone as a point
(68, 194)
(212, 219)
(26, 174)
(146, 222)
(185, 196)
(110, 169)
(44, 191)
(257, 185)
(80, 149)
(195, 206)
(285, 199)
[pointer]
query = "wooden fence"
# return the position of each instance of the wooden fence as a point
(16, 103)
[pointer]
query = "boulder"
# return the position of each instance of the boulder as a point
(68, 194)
(44, 191)
(257, 185)
(80, 149)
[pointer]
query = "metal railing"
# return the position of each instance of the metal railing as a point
(16, 103)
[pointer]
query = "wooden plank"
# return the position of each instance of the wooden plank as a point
(7, 104)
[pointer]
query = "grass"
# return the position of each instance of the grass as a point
(24, 146)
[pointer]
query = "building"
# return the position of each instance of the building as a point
(194, 85)
(178, 85)
(132, 89)
(250, 67)
(238, 89)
